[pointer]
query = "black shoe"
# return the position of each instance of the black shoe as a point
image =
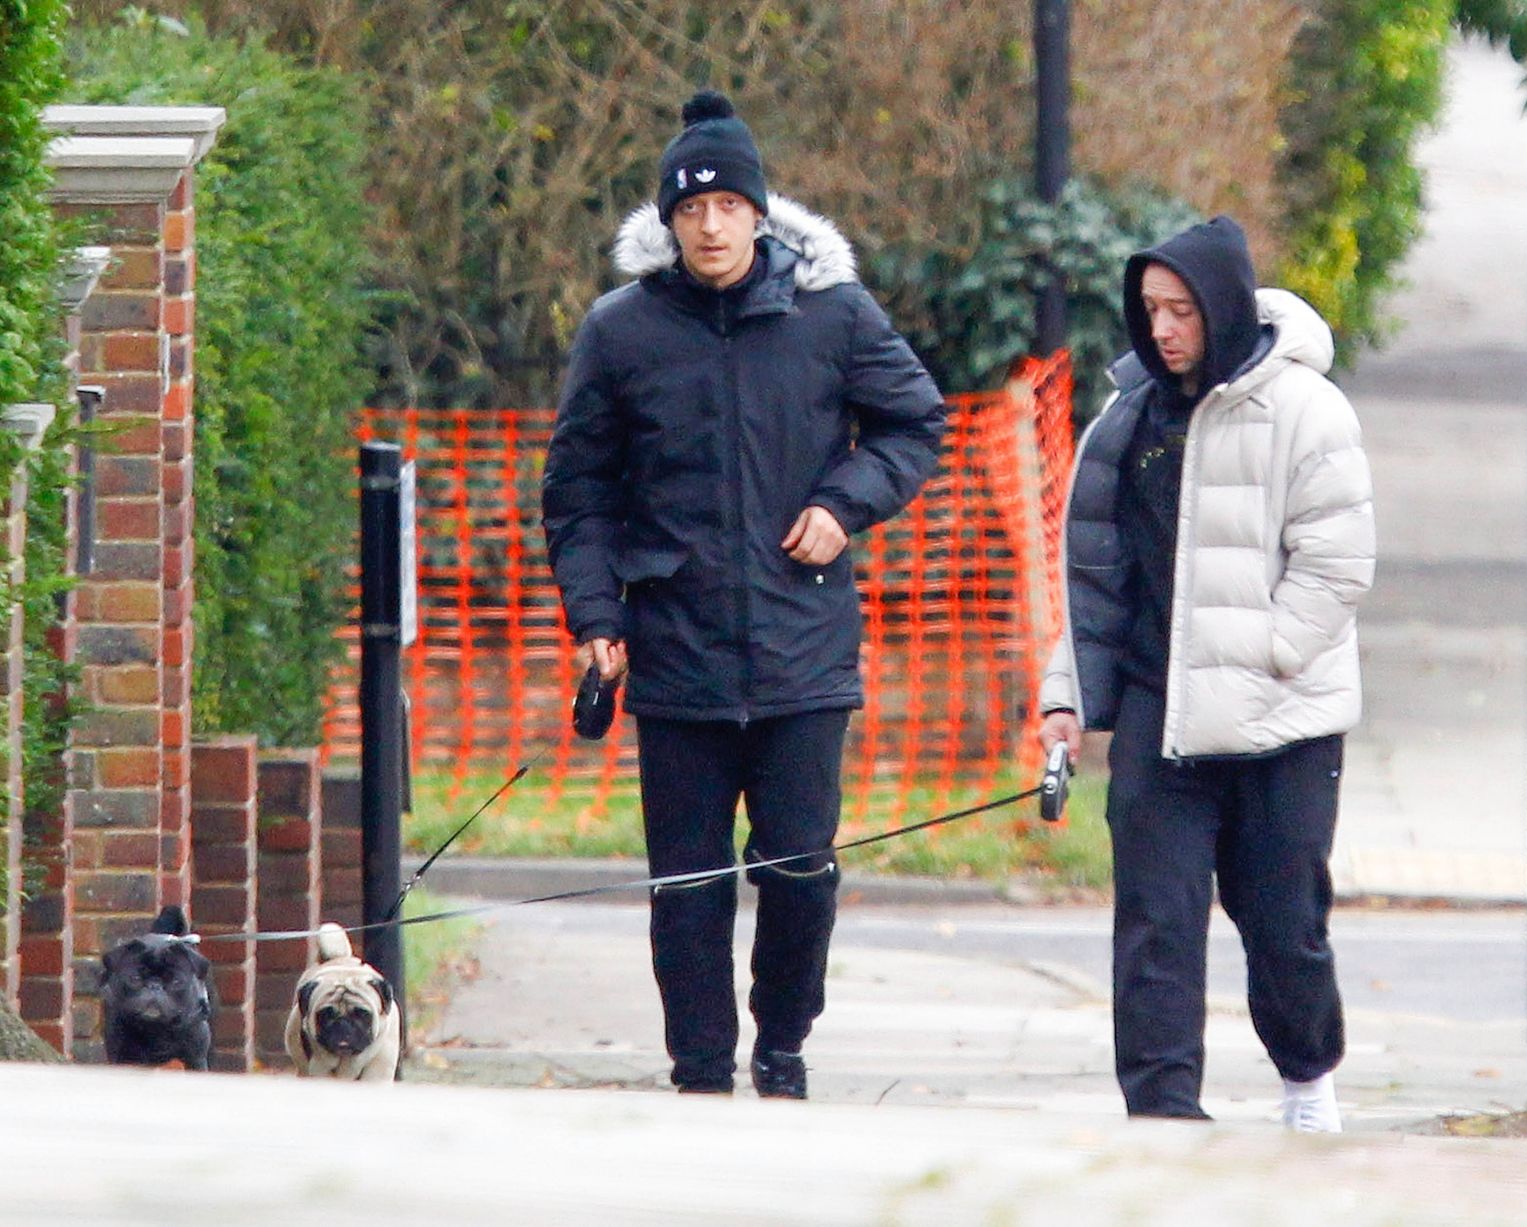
(778, 1075)
(690, 1083)
(692, 1078)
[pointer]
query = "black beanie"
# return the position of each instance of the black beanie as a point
(714, 153)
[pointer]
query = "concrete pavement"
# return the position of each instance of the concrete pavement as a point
(176, 1150)
(956, 1002)
(1435, 794)
(1434, 799)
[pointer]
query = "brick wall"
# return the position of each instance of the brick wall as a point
(223, 900)
(341, 859)
(288, 891)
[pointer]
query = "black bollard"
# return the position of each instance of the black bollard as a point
(387, 623)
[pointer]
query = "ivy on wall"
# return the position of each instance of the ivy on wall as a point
(30, 370)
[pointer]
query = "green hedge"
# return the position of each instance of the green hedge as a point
(28, 257)
(30, 342)
(981, 308)
(1366, 81)
(1503, 22)
(281, 316)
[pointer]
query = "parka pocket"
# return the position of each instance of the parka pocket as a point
(633, 566)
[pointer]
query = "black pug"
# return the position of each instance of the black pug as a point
(156, 998)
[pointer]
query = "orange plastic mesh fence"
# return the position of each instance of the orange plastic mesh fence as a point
(961, 596)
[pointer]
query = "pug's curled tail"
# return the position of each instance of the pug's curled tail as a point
(333, 942)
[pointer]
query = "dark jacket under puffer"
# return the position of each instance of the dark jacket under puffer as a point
(693, 429)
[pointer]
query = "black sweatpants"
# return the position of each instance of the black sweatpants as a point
(788, 771)
(1263, 826)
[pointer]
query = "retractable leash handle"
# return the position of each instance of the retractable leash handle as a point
(1056, 783)
(594, 705)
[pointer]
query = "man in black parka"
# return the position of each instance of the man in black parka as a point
(728, 420)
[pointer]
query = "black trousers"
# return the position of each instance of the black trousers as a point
(1263, 827)
(692, 774)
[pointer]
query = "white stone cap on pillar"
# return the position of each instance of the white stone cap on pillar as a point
(28, 420)
(118, 168)
(201, 124)
(82, 271)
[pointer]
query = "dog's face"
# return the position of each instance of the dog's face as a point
(155, 1002)
(344, 1022)
(342, 1015)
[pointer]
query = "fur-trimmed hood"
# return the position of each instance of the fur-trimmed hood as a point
(644, 245)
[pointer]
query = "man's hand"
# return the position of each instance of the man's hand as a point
(816, 537)
(608, 654)
(1062, 726)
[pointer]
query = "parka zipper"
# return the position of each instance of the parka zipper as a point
(739, 536)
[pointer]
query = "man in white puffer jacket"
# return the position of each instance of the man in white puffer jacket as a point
(1218, 536)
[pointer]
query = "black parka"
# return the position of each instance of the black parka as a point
(693, 429)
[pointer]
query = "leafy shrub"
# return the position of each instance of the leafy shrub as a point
(281, 313)
(29, 369)
(1499, 21)
(28, 255)
(1184, 95)
(982, 308)
(1367, 80)
(510, 138)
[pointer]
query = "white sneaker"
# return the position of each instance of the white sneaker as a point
(1310, 1107)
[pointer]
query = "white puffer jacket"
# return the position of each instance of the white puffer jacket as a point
(1275, 544)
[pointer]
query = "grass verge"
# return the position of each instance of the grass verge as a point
(533, 820)
(436, 957)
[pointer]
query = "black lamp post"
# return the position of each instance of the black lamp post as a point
(1052, 147)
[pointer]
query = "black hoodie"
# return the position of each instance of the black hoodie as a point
(1213, 260)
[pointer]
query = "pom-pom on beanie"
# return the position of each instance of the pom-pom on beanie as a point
(714, 153)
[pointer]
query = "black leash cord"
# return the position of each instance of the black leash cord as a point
(674, 879)
(397, 904)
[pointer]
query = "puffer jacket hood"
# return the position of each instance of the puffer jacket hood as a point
(1290, 332)
(1214, 261)
(824, 258)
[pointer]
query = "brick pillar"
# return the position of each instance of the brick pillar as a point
(27, 422)
(117, 761)
(47, 941)
(128, 170)
(175, 530)
(289, 822)
(341, 858)
(223, 825)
